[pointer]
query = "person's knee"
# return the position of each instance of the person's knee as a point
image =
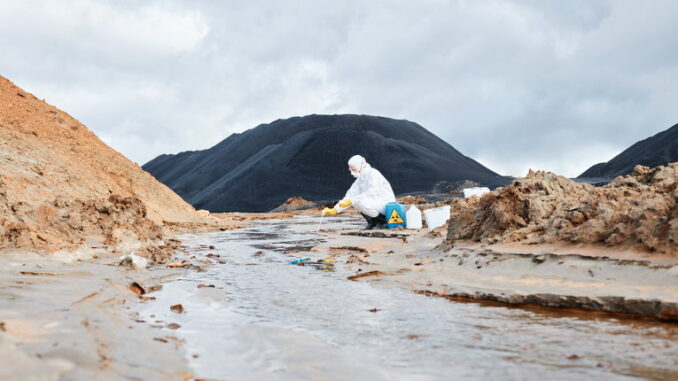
(365, 208)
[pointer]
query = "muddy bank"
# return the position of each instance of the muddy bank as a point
(593, 278)
(74, 321)
(560, 280)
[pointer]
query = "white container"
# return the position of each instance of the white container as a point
(413, 217)
(133, 261)
(437, 217)
(476, 191)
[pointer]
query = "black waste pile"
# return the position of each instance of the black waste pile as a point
(259, 169)
(654, 151)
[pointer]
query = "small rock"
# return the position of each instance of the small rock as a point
(137, 288)
(573, 357)
(183, 263)
(369, 273)
(178, 308)
(538, 259)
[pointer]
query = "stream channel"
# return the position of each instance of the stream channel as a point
(267, 320)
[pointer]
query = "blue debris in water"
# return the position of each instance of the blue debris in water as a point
(298, 261)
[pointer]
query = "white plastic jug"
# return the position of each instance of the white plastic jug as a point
(475, 191)
(413, 217)
(437, 217)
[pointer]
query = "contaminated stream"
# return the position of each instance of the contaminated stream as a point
(250, 315)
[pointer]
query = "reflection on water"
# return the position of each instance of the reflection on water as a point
(277, 321)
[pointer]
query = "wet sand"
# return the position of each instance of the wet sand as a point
(72, 320)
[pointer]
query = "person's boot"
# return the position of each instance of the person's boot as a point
(380, 222)
(371, 222)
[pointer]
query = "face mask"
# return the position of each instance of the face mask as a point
(355, 174)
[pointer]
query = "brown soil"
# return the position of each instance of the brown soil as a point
(294, 203)
(637, 211)
(409, 200)
(62, 187)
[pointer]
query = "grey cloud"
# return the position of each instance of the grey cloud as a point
(548, 85)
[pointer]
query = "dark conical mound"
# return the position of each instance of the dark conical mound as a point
(306, 157)
(660, 149)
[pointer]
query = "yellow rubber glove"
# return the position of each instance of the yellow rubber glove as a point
(329, 212)
(345, 203)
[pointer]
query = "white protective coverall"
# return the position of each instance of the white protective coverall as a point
(370, 192)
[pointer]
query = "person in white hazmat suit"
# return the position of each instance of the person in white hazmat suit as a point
(369, 193)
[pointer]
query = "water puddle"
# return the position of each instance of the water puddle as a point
(266, 319)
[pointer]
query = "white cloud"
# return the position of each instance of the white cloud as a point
(519, 84)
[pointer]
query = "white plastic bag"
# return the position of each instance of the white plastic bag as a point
(475, 191)
(134, 261)
(437, 217)
(413, 217)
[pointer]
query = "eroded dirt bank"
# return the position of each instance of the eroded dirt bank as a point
(639, 211)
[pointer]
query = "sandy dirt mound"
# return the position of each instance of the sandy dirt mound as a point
(637, 211)
(292, 204)
(60, 185)
(411, 199)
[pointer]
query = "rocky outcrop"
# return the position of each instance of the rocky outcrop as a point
(62, 188)
(637, 211)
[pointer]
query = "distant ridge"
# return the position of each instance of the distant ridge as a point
(306, 157)
(659, 149)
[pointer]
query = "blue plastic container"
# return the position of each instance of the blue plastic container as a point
(395, 215)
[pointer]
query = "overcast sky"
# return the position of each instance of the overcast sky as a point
(555, 85)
